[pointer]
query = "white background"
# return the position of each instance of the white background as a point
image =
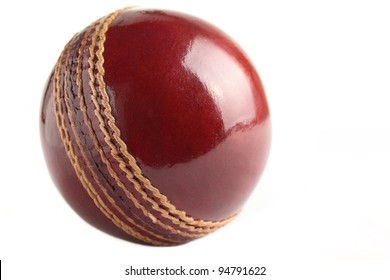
(322, 208)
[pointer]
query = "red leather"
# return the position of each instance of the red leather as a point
(190, 108)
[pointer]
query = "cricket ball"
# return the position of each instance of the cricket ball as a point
(155, 126)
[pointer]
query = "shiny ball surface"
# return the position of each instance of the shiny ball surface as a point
(155, 126)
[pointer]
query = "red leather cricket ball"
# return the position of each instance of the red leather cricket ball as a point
(155, 126)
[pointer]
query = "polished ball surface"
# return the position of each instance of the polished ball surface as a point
(155, 126)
